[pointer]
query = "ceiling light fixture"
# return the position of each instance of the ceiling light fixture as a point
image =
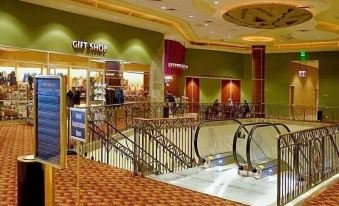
(216, 2)
(206, 24)
(257, 39)
(318, 37)
(191, 16)
(163, 7)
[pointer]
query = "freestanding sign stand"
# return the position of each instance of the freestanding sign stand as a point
(78, 130)
(50, 131)
(50, 128)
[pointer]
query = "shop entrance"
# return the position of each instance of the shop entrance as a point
(304, 83)
(91, 80)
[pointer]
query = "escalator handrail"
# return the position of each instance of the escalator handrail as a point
(249, 140)
(196, 135)
(235, 138)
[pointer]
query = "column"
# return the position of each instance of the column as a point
(157, 77)
(258, 78)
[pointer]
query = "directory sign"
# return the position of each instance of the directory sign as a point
(50, 120)
(78, 124)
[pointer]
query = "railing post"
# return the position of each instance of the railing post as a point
(278, 171)
(309, 181)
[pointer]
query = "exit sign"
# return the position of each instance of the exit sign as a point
(303, 56)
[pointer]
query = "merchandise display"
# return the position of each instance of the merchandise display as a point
(13, 101)
(136, 86)
(99, 92)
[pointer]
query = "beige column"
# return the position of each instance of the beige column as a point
(157, 77)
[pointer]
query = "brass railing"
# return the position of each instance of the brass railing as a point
(169, 140)
(302, 113)
(305, 159)
(110, 146)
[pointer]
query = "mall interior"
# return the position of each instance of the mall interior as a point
(169, 102)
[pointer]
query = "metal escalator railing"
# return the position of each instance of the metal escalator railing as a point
(168, 140)
(198, 133)
(181, 157)
(237, 135)
(123, 154)
(297, 165)
(250, 139)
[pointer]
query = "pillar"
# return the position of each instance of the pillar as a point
(258, 78)
(157, 77)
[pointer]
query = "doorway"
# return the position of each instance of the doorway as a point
(304, 87)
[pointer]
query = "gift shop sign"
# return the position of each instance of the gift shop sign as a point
(89, 48)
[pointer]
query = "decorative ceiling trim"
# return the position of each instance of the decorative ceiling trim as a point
(267, 15)
(113, 7)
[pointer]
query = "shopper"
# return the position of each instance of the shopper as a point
(245, 109)
(77, 95)
(70, 99)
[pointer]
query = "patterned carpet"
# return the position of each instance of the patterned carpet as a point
(101, 185)
(328, 197)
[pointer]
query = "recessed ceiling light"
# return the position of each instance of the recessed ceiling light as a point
(206, 24)
(216, 2)
(163, 7)
(191, 16)
(318, 37)
(258, 38)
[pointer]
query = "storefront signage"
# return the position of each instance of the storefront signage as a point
(89, 48)
(50, 120)
(177, 66)
(78, 124)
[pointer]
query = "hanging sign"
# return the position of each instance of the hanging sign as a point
(78, 124)
(50, 120)
(89, 48)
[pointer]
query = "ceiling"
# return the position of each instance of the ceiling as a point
(202, 23)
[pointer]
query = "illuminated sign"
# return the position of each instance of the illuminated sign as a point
(50, 120)
(89, 47)
(302, 73)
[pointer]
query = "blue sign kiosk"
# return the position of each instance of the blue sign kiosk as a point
(50, 128)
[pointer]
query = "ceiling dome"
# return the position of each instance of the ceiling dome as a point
(267, 16)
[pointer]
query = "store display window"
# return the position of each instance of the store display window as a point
(98, 88)
(79, 85)
(136, 82)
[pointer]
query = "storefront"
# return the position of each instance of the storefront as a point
(105, 63)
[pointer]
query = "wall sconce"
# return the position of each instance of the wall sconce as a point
(168, 80)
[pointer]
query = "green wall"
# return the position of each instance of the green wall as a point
(202, 62)
(210, 90)
(277, 74)
(29, 26)
(278, 80)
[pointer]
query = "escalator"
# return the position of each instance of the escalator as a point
(260, 148)
(250, 146)
(213, 142)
